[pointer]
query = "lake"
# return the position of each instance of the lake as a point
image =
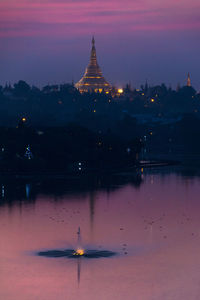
(150, 219)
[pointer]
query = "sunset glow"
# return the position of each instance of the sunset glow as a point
(25, 18)
(138, 32)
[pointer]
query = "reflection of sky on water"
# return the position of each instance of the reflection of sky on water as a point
(22, 189)
(19, 190)
(157, 225)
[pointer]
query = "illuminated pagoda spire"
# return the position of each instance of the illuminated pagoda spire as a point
(188, 80)
(93, 80)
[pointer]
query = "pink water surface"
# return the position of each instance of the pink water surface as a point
(156, 224)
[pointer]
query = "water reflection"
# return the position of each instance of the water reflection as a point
(28, 189)
(153, 224)
(71, 253)
(2, 191)
(92, 211)
(25, 191)
(79, 270)
(19, 191)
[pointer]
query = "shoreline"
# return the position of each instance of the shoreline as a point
(73, 175)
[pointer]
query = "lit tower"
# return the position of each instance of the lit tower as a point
(93, 80)
(188, 80)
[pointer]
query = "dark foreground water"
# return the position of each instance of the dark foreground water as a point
(150, 221)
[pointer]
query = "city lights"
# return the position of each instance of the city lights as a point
(120, 91)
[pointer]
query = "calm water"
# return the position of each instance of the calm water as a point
(152, 222)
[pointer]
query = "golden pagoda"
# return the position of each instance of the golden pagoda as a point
(93, 80)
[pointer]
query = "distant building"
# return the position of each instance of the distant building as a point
(188, 80)
(93, 80)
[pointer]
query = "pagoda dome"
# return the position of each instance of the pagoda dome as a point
(93, 80)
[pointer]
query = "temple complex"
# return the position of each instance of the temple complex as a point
(93, 80)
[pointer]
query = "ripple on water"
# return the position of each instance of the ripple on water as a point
(70, 253)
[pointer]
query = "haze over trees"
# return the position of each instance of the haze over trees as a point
(64, 127)
(56, 105)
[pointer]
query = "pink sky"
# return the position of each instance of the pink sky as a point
(39, 18)
(128, 27)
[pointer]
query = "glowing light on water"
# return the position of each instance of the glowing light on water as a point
(79, 252)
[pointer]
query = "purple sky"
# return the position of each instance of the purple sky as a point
(45, 41)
